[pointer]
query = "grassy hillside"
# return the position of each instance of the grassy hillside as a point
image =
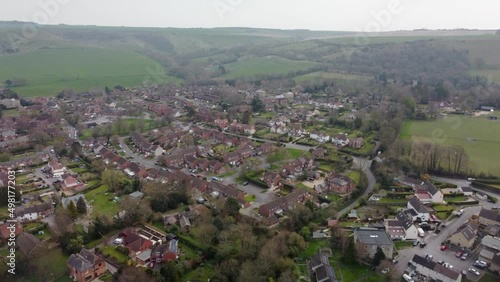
(331, 75)
(264, 66)
(459, 130)
(49, 71)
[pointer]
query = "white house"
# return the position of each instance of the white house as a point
(26, 214)
(341, 140)
(432, 269)
(401, 228)
(56, 168)
(418, 210)
(319, 136)
(428, 193)
(467, 191)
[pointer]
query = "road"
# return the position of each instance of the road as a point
(465, 183)
(364, 165)
(434, 242)
(136, 158)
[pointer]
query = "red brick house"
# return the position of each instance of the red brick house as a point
(85, 266)
(8, 227)
(271, 179)
(165, 252)
(283, 204)
(339, 184)
(134, 242)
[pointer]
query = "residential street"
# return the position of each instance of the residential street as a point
(136, 158)
(364, 165)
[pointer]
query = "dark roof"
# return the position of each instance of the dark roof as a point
(27, 242)
(466, 189)
(406, 221)
(431, 188)
(418, 206)
(435, 267)
(90, 256)
(372, 236)
(490, 214)
(469, 231)
(79, 263)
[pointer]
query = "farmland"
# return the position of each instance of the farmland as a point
(264, 66)
(331, 75)
(478, 136)
(49, 71)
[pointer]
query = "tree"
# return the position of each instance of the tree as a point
(306, 233)
(257, 105)
(232, 207)
(73, 212)
(378, 257)
(81, 206)
(5, 157)
(190, 111)
(247, 116)
(170, 272)
(113, 179)
(349, 254)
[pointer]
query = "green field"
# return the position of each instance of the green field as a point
(49, 71)
(264, 66)
(459, 130)
(330, 75)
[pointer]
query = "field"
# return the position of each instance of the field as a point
(458, 130)
(264, 66)
(49, 71)
(330, 75)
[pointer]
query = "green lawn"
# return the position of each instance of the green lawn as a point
(264, 66)
(403, 244)
(101, 203)
(202, 273)
(148, 124)
(459, 130)
(49, 71)
(354, 175)
(51, 264)
(114, 253)
(313, 248)
(488, 277)
(284, 154)
(250, 198)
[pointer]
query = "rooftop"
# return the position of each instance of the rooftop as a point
(372, 236)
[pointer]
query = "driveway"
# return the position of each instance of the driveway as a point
(364, 165)
(136, 158)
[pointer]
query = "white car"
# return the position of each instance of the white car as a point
(118, 241)
(474, 271)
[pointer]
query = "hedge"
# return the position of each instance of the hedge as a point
(256, 182)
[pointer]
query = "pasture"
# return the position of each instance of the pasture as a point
(49, 71)
(264, 66)
(479, 136)
(331, 75)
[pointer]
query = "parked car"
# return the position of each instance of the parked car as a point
(459, 254)
(245, 183)
(464, 256)
(118, 241)
(474, 271)
(480, 264)
(423, 244)
(444, 247)
(415, 243)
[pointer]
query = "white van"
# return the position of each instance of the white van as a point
(407, 278)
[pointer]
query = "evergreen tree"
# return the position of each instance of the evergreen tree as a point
(379, 256)
(73, 212)
(81, 206)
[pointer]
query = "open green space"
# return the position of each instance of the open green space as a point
(479, 137)
(51, 264)
(330, 75)
(101, 202)
(264, 66)
(114, 253)
(49, 71)
(203, 273)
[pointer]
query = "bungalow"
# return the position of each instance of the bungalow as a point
(357, 143)
(428, 193)
(435, 271)
(467, 191)
(85, 266)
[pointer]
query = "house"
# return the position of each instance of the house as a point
(71, 183)
(357, 143)
(319, 136)
(165, 252)
(283, 204)
(320, 266)
(135, 242)
(8, 228)
(491, 247)
(85, 266)
(435, 271)
(401, 228)
(428, 193)
(143, 258)
(24, 214)
(418, 210)
(271, 179)
(489, 218)
(338, 184)
(319, 153)
(467, 191)
(340, 140)
(56, 168)
(465, 236)
(29, 245)
(495, 264)
(367, 240)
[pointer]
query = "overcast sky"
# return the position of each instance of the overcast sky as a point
(346, 15)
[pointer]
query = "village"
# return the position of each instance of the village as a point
(88, 160)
